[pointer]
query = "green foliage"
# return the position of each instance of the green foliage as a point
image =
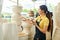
(6, 16)
(35, 10)
(25, 10)
(34, 0)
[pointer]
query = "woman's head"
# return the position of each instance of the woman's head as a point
(42, 9)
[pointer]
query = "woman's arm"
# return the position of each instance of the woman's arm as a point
(42, 30)
(45, 25)
(26, 20)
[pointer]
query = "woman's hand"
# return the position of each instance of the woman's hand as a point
(33, 21)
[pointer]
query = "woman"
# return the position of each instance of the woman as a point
(41, 23)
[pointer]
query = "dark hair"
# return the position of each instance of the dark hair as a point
(44, 7)
(48, 14)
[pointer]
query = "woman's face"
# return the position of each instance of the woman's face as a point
(40, 11)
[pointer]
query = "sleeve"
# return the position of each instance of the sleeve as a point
(46, 22)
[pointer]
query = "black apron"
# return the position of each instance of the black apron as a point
(39, 34)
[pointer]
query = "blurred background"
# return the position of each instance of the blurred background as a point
(26, 4)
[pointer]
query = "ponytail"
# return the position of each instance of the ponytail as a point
(48, 14)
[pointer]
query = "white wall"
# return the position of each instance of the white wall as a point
(1, 1)
(1, 36)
